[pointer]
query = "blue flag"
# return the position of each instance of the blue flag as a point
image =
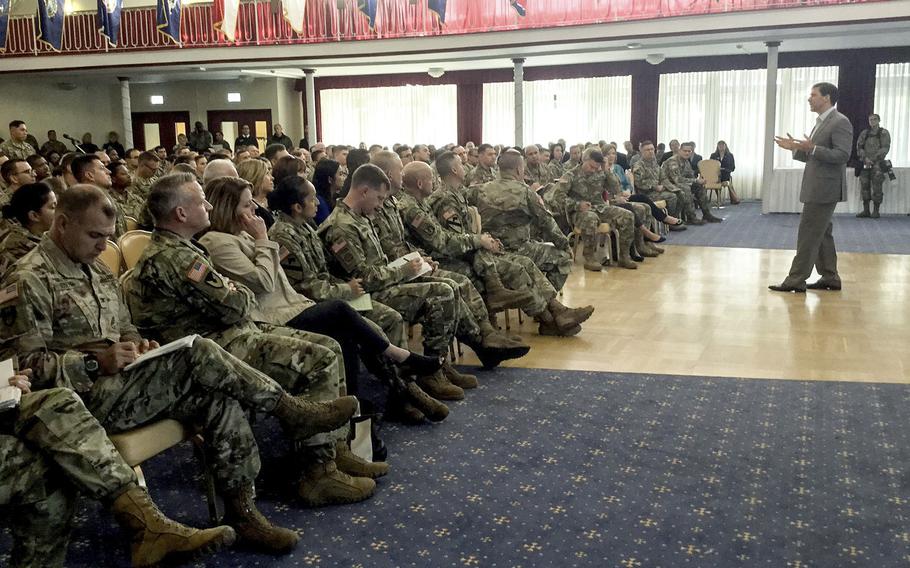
(368, 7)
(109, 19)
(168, 18)
(438, 6)
(4, 23)
(50, 23)
(519, 6)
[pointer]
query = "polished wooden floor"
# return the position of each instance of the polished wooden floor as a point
(707, 311)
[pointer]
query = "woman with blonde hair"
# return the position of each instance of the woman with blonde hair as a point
(258, 173)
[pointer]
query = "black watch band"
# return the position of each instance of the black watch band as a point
(92, 367)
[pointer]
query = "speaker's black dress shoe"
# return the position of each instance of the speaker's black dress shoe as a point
(820, 285)
(785, 288)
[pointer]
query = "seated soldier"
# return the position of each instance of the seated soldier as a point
(175, 291)
(583, 191)
(53, 449)
(475, 329)
(646, 176)
(29, 214)
(87, 350)
(15, 174)
(485, 170)
(678, 176)
(150, 169)
(130, 204)
(449, 237)
(537, 173)
(89, 169)
(644, 237)
(513, 213)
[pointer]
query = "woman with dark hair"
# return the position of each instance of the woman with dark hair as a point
(219, 141)
(356, 158)
(727, 164)
(328, 179)
(288, 166)
(29, 214)
(241, 249)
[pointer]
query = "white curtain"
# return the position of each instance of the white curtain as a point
(793, 114)
(412, 114)
(577, 110)
(892, 103)
(711, 106)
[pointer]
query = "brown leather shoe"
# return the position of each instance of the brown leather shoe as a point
(323, 484)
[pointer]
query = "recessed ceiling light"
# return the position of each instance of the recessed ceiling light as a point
(157, 99)
(633, 45)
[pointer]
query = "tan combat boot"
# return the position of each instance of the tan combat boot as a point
(253, 528)
(307, 418)
(625, 259)
(439, 387)
(590, 255)
(322, 484)
(352, 464)
(499, 298)
(548, 326)
(642, 246)
(566, 317)
(457, 378)
(424, 404)
(156, 537)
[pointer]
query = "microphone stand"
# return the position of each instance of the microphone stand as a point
(75, 144)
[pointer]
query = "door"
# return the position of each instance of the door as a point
(152, 129)
(229, 122)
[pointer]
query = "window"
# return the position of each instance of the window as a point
(892, 103)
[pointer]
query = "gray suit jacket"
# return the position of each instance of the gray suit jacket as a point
(825, 178)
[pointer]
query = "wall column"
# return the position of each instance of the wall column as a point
(127, 113)
(311, 130)
(518, 78)
(767, 177)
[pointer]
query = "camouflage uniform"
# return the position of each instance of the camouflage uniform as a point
(139, 194)
(470, 310)
(641, 211)
(457, 249)
(873, 144)
(308, 272)
(647, 176)
(510, 211)
(15, 242)
(538, 173)
(50, 449)
(481, 175)
(577, 187)
(556, 169)
(175, 291)
(356, 252)
(58, 310)
(17, 150)
(678, 176)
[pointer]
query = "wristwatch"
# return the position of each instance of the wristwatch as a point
(91, 366)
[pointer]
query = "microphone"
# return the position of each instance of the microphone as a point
(70, 138)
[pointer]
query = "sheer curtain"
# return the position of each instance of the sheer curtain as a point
(892, 103)
(711, 106)
(793, 114)
(577, 110)
(386, 115)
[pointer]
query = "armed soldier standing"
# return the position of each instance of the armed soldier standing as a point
(872, 146)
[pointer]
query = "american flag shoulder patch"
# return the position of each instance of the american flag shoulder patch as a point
(337, 247)
(9, 293)
(418, 221)
(197, 271)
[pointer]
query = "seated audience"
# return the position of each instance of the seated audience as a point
(257, 173)
(29, 213)
(328, 179)
(727, 164)
(17, 147)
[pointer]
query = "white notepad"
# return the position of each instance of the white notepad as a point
(362, 303)
(9, 395)
(182, 343)
(424, 267)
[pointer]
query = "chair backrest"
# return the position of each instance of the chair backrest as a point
(710, 170)
(132, 244)
(476, 222)
(112, 258)
(131, 223)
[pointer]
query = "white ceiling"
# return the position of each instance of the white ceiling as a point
(880, 24)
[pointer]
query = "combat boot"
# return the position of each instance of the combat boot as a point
(593, 266)
(875, 213)
(864, 214)
(432, 409)
(625, 261)
(642, 247)
(695, 221)
(352, 464)
(499, 298)
(548, 326)
(253, 528)
(496, 348)
(322, 484)
(709, 217)
(568, 318)
(457, 378)
(439, 387)
(155, 537)
(307, 418)
(398, 410)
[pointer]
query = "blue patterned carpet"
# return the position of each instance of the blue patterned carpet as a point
(544, 468)
(746, 227)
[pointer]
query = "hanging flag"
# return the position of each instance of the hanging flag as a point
(519, 6)
(168, 18)
(50, 23)
(4, 22)
(368, 7)
(109, 19)
(294, 11)
(438, 6)
(224, 13)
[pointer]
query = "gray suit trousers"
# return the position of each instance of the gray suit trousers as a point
(814, 246)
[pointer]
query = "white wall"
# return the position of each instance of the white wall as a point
(290, 109)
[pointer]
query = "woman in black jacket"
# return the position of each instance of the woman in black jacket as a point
(727, 164)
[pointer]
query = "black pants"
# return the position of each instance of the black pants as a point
(342, 323)
(655, 210)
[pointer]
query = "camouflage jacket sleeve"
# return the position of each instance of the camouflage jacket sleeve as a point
(307, 275)
(346, 247)
(450, 212)
(424, 228)
(27, 333)
(861, 144)
(884, 146)
(645, 180)
(544, 222)
(564, 190)
(669, 175)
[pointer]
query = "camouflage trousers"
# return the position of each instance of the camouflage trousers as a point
(552, 261)
(304, 364)
(390, 322)
(870, 183)
(673, 202)
(202, 387)
(690, 198)
(470, 309)
(619, 218)
(51, 449)
(431, 304)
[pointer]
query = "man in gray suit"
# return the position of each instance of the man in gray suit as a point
(825, 153)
